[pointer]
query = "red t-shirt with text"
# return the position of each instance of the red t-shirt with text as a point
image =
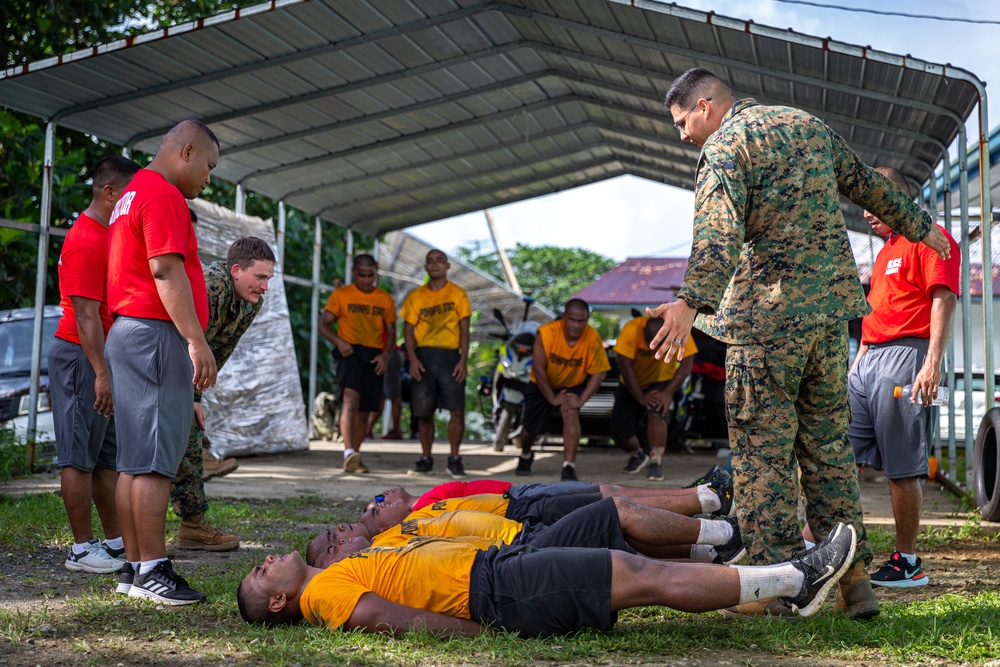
(83, 272)
(151, 219)
(903, 278)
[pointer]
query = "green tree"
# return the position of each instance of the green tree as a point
(548, 274)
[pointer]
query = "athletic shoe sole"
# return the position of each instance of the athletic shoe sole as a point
(142, 594)
(831, 579)
(903, 583)
(74, 566)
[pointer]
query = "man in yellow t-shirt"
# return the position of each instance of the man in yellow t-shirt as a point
(647, 387)
(612, 523)
(452, 588)
(568, 365)
(365, 337)
(436, 333)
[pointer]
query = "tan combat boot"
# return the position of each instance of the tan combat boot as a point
(213, 467)
(855, 596)
(197, 533)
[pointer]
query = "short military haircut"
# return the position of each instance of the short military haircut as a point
(691, 85)
(254, 608)
(206, 130)
(248, 249)
(653, 325)
(577, 303)
(114, 170)
(896, 176)
(365, 260)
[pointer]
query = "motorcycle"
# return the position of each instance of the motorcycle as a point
(511, 376)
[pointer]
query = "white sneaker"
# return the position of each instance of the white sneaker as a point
(95, 559)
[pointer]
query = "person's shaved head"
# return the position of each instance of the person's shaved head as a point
(896, 176)
(695, 83)
(187, 155)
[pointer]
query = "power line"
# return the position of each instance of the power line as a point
(860, 10)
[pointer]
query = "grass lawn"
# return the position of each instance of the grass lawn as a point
(49, 616)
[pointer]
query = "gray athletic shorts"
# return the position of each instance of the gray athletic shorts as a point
(596, 526)
(151, 384)
(542, 592)
(535, 490)
(85, 439)
(437, 389)
(548, 509)
(888, 433)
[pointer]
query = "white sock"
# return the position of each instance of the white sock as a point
(80, 547)
(348, 452)
(147, 565)
(655, 457)
(809, 545)
(703, 553)
(135, 565)
(571, 464)
(910, 558)
(764, 582)
(709, 500)
(115, 543)
(714, 532)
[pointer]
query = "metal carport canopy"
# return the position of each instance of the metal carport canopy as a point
(380, 116)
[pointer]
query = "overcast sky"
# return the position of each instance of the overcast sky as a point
(619, 217)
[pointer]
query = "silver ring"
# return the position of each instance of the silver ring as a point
(677, 341)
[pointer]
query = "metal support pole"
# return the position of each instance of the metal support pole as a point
(963, 197)
(375, 248)
(282, 222)
(126, 152)
(985, 224)
(349, 258)
(314, 320)
(946, 199)
(241, 200)
(508, 270)
(40, 275)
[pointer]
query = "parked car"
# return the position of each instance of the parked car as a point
(16, 328)
(979, 406)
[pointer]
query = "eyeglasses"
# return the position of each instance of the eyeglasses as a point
(682, 123)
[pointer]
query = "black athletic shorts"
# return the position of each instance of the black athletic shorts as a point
(537, 409)
(596, 526)
(356, 371)
(437, 388)
(542, 592)
(548, 509)
(628, 412)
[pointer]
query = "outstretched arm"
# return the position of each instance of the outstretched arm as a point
(376, 614)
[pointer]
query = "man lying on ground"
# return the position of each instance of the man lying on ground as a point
(715, 496)
(612, 523)
(448, 588)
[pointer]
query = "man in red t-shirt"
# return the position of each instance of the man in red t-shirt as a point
(156, 350)
(913, 295)
(78, 377)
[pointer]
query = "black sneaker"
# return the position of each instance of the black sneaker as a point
(114, 553)
(704, 478)
(822, 566)
(126, 576)
(733, 550)
(636, 462)
(654, 472)
(898, 573)
(569, 474)
(721, 482)
(423, 466)
(162, 584)
(455, 467)
(524, 464)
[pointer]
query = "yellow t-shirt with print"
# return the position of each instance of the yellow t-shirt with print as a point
(435, 315)
(431, 574)
(361, 317)
(463, 523)
(632, 345)
(491, 503)
(570, 366)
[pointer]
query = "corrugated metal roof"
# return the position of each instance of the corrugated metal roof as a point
(638, 281)
(379, 116)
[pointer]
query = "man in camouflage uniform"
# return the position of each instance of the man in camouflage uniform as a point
(235, 296)
(772, 274)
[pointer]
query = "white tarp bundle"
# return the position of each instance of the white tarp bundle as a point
(256, 406)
